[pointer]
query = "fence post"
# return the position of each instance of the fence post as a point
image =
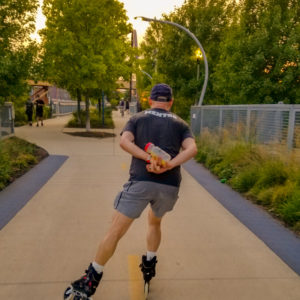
(201, 119)
(220, 120)
(290, 138)
(248, 124)
(11, 116)
(57, 108)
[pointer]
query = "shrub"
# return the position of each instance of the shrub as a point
(245, 179)
(290, 211)
(272, 173)
(267, 175)
(16, 156)
(282, 194)
(264, 196)
(95, 119)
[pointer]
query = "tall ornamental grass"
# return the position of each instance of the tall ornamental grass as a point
(268, 175)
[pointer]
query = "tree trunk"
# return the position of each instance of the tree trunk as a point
(87, 105)
(103, 108)
(78, 105)
(99, 107)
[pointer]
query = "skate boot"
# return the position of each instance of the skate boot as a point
(84, 287)
(148, 270)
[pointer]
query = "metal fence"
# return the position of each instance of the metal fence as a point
(266, 123)
(6, 120)
(63, 107)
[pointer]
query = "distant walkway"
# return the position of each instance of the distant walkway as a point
(206, 253)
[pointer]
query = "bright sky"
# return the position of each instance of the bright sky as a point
(145, 8)
(148, 8)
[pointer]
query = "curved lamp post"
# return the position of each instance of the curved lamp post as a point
(199, 56)
(198, 43)
(147, 74)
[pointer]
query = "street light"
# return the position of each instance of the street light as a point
(199, 55)
(147, 74)
(199, 45)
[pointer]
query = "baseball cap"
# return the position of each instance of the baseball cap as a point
(161, 92)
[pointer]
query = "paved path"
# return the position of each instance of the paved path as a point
(206, 253)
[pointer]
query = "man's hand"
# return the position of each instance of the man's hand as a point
(157, 167)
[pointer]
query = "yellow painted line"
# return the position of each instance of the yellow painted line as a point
(136, 282)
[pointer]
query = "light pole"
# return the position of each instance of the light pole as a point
(147, 74)
(199, 45)
(198, 57)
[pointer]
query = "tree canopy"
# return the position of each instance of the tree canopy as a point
(85, 44)
(252, 48)
(17, 50)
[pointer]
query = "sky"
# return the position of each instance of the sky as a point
(145, 8)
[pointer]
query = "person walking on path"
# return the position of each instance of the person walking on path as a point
(122, 107)
(39, 111)
(29, 111)
(151, 182)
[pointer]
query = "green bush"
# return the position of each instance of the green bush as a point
(290, 211)
(283, 194)
(95, 119)
(272, 173)
(245, 179)
(16, 156)
(264, 196)
(114, 103)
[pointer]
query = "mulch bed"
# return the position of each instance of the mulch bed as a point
(91, 134)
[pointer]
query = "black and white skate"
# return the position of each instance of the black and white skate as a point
(71, 294)
(85, 287)
(148, 270)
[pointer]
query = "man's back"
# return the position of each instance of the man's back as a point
(163, 129)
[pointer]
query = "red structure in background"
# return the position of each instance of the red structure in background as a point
(47, 92)
(40, 90)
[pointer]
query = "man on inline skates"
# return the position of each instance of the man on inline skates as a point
(151, 182)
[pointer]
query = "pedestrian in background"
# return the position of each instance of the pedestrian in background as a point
(39, 111)
(29, 111)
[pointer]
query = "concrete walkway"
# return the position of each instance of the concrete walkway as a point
(206, 253)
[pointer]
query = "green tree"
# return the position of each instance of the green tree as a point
(260, 55)
(85, 46)
(17, 50)
(171, 52)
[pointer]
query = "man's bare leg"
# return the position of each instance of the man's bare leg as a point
(153, 241)
(154, 232)
(87, 284)
(107, 247)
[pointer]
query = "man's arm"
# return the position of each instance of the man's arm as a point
(189, 150)
(127, 144)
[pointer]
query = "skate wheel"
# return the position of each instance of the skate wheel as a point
(68, 294)
(146, 290)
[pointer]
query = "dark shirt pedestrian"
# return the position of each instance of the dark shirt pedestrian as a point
(29, 111)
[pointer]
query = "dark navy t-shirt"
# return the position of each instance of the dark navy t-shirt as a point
(165, 130)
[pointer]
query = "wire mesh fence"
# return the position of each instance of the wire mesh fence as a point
(6, 120)
(63, 107)
(264, 124)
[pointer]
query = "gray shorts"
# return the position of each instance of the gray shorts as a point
(136, 195)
